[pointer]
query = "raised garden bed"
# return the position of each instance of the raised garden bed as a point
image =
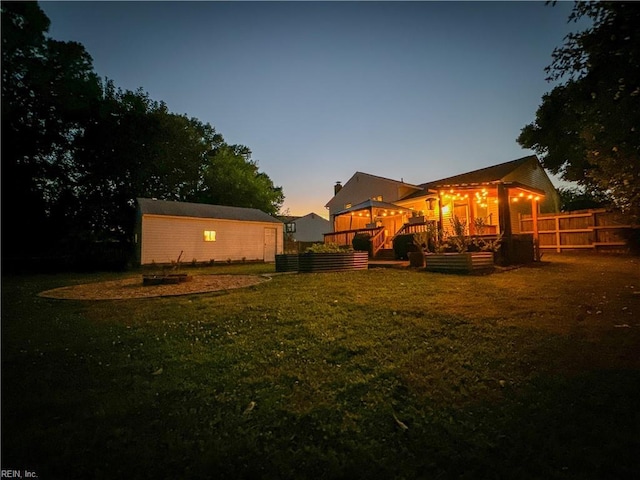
(322, 262)
(168, 279)
(468, 262)
(287, 262)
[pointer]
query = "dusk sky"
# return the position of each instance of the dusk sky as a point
(415, 91)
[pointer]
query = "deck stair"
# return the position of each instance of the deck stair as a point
(385, 254)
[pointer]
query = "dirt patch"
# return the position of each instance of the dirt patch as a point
(133, 288)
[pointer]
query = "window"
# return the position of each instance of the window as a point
(377, 198)
(290, 227)
(347, 205)
(209, 236)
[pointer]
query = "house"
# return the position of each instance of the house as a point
(309, 228)
(488, 200)
(202, 233)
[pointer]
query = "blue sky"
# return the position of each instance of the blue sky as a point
(319, 90)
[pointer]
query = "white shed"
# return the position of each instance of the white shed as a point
(204, 233)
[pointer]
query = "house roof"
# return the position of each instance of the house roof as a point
(491, 174)
(483, 176)
(293, 218)
(356, 176)
(371, 204)
(150, 206)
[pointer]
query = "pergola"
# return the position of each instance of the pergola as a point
(372, 209)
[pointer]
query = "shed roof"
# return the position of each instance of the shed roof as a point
(150, 206)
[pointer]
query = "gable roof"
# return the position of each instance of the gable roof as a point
(491, 174)
(483, 176)
(356, 178)
(150, 206)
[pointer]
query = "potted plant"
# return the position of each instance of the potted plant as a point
(416, 217)
(453, 253)
(421, 243)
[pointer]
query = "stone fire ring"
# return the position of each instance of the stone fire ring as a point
(131, 288)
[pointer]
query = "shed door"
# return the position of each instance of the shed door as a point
(270, 244)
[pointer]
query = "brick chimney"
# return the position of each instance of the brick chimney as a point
(337, 187)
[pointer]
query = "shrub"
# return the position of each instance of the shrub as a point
(402, 245)
(327, 248)
(362, 242)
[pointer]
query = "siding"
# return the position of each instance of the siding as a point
(164, 237)
(311, 228)
(362, 187)
(533, 175)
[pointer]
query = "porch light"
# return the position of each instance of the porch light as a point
(537, 199)
(515, 199)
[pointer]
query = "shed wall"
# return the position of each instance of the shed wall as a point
(164, 237)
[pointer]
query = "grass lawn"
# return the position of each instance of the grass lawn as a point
(522, 374)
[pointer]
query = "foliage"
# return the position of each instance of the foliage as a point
(328, 248)
(486, 244)
(574, 198)
(586, 128)
(380, 373)
(231, 177)
(362, 242)
(402, 245)
(47, 89)
(460, 239)
(82, 150)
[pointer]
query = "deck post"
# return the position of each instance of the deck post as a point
(534, 218)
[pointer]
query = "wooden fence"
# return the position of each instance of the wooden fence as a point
(586, 229)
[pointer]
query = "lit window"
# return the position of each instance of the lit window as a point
(347, 205)
(377, 198)
(209, 236)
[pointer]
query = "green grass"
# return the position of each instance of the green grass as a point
(528, 373)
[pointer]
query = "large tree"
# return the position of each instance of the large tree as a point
(134, 147)
(231, 177)
(47, 89)
(587, 127)
(76, 151)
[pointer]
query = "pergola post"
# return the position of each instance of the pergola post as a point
(504, 212)
(534, 219)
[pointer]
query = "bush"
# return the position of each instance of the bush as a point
(327, 248)
(362, 243)
(402, 245)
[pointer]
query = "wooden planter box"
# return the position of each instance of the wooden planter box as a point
(475, 262)
(322, 262)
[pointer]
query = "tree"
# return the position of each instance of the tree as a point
(134, 147)
(230, 177)
(47, 87)
(77, 152)
(586, 128)
(572, 198)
